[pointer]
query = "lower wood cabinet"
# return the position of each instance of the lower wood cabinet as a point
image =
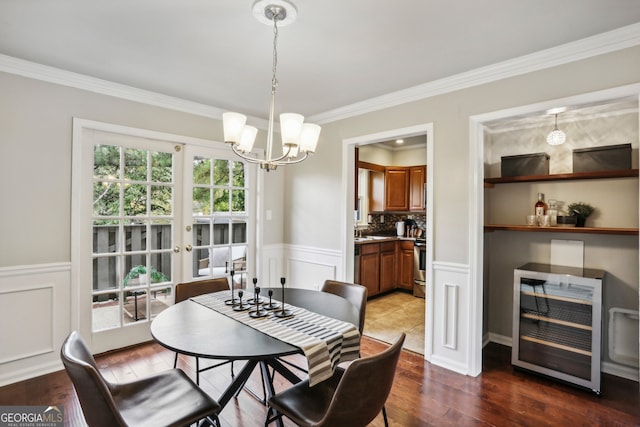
(405, 265)
(370, 267)
(387, 266)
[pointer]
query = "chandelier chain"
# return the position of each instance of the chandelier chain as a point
(274, 80)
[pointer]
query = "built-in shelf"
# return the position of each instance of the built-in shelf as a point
(585, 230)
(625, 173)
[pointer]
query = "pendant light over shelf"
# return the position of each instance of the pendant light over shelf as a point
(556, 136)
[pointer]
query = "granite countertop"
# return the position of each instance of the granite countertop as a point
(377, 239)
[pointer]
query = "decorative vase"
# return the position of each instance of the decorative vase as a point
(580, 220)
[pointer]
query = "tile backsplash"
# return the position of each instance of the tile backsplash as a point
(388, 227)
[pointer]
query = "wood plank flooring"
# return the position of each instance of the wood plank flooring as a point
(422, 395)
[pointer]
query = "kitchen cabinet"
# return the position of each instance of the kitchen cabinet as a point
(370, 267)
(376, 191)
(405, 264)
(557, 314)
(387, 266)
(405, 188)
(396, 184)
(417, 186)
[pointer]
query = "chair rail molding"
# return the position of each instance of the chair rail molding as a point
(36, 301)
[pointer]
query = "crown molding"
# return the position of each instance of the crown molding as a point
(21, 67)
(611, 41)
(600, 44)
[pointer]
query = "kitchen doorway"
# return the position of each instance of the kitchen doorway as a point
(355, 216)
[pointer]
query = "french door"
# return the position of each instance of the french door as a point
(151, 210)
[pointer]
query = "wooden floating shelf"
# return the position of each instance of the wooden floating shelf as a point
(625, 173)
(585, 230)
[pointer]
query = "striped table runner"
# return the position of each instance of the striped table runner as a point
(324, 341)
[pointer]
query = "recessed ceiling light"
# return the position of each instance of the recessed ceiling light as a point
(399, 141)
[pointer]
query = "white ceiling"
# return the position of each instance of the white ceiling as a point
(337, 52)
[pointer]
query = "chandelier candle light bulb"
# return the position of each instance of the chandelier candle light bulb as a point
(298, 138)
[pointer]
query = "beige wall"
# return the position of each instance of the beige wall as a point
(305, 199)
(35, 162)
(453, 187)
(450, 115)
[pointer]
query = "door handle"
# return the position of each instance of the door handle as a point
(176, 249)
(188, 248)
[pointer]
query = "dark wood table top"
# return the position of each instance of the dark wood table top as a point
(193, 329)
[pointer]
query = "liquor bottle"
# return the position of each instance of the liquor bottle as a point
(552, 211)
(541, 206)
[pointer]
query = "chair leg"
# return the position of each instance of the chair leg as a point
(213, 420)
(198, 370)
(271, 417)
(384, 415)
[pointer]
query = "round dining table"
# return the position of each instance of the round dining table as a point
(192, 329)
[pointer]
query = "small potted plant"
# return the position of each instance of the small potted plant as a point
(581, 210)
(140, 272)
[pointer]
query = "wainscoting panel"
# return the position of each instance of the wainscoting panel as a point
(35, 311)
(308, 268)
(302, 266)
(450, 341)
(18, 308)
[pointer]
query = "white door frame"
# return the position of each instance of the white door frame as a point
(348, 189)
(476, 195)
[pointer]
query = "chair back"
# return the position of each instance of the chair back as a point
(354, 293)
(193, 289)
(94, 392)
(363, 389)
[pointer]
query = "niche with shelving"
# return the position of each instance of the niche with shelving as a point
(611, 233)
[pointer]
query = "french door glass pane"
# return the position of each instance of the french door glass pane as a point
(219, 217)
(132, 234)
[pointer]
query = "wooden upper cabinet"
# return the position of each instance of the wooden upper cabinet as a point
(395, 189)
(417, 183)
(376, 191)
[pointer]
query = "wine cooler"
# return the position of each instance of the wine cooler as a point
(557, 314)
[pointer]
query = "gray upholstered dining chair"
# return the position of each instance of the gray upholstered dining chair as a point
(352, 292)
(188, 290)
(169, 398)
(352, 397)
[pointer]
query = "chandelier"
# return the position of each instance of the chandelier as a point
(298, 138)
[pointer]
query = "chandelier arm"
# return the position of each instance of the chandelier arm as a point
(284, 155)
(292, 161)
(244, 156)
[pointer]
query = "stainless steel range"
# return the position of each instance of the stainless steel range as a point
(419, 267)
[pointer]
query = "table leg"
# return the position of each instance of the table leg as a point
(237, 382)
(264, 368)
(284, 371)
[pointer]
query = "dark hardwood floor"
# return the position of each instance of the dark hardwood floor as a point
(422, 395)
